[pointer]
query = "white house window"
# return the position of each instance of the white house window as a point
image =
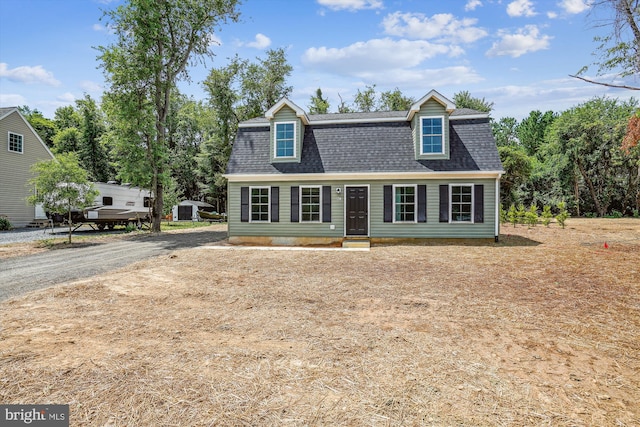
(16, 143)
(310, 203)
(404, 203)
(461, 203)
(259, 204)
(285, 143)
(431, 135)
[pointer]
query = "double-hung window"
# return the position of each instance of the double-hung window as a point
(310, 204)
(431, 135)
(16, 143)
(259, 204)
(284, 140)
(404, 203)
(461, 203)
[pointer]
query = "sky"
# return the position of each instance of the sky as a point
(517, 54)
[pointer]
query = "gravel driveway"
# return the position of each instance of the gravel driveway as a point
(19, 275)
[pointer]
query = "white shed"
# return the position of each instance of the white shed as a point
(187, 210)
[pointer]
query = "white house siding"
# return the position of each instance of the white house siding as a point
(15, 169)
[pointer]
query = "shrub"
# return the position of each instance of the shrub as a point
(504, 218)
(615, 214)
(5, 224)
(636, 213)
(521, 212)
(531, 216)
(512, 215)
(546, 215)
(563, 214)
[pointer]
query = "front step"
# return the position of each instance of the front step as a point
(356, 243)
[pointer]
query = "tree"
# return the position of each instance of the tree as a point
(365, 101)
(517, 169)
(505, 131)
(61, 186)
(239, 91)
(465, 100)
(92, 153)
(532, 129)
(318, 105)
(632, 137)
(590, 134)
(394, 101)
(156, 41)
(45, 128)
(66, 140)
(619, 51)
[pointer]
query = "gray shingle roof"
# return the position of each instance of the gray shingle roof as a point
(366, 147)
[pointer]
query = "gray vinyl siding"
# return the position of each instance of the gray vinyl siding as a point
(15, 170)
(286, 114)
(377, 227)
(431, 108)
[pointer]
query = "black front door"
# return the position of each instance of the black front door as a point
(357, 211)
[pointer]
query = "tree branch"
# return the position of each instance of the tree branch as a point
(605, 84)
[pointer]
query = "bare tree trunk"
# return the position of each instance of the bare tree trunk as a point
(577, 194)
(69, 222)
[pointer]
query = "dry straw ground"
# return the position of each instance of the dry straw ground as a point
(542, 329)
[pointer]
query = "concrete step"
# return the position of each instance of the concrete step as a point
(356, 243)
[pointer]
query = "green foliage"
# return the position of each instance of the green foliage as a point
(512, 215)
(636, 213)
(563, 214)
(547, 216)
(155, 42)
(61, 185)
(318, 105)
(464, 99)
(505, 131)
(45, 128)
(365, 101)
(517, 166)
(531, 216)
(5, 224)
(615, 214)
(504, 218)
(521, 213)
(531, 131)
(394, 101)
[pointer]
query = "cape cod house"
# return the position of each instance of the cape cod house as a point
(430, 172)
(20, 148)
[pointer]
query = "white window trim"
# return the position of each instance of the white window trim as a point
(415, 203)
(9, 142)
(319, 187)
(268, 204)
(422, 153)
(275, 140)
(451, 221)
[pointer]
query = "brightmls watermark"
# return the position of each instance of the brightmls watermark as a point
(34, 415)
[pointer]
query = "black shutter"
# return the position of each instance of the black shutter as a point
(326, 203)
(444, 203)
(422, 203)
(244, 204)
(478, 203)
(275, 204)
(388, 203)
(295, 204)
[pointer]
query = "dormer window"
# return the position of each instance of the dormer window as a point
(431, 135)
(285, 140)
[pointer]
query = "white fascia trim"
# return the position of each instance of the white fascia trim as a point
(367, 176)
(470, 116)
(270, 114)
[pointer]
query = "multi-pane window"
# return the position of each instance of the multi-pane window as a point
(405, 203)
(285, 140)
(310, 204)
(431, 134)
(260, 204)
(15, 142)
(461, 203)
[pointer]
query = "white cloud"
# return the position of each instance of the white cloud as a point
(376, 54)
(552, 15)
(575, 6)
(89, 86)
(261, 42)
(66, 97)
(525, 40)
(441, 26)
(520, 8)
(472, 5)
(214, 40)
(26, 74)
(351, 5)
(12, 100)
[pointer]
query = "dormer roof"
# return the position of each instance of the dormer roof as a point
(448, 105)
(300, 113)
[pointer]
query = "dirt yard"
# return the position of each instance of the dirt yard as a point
(542, 329)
